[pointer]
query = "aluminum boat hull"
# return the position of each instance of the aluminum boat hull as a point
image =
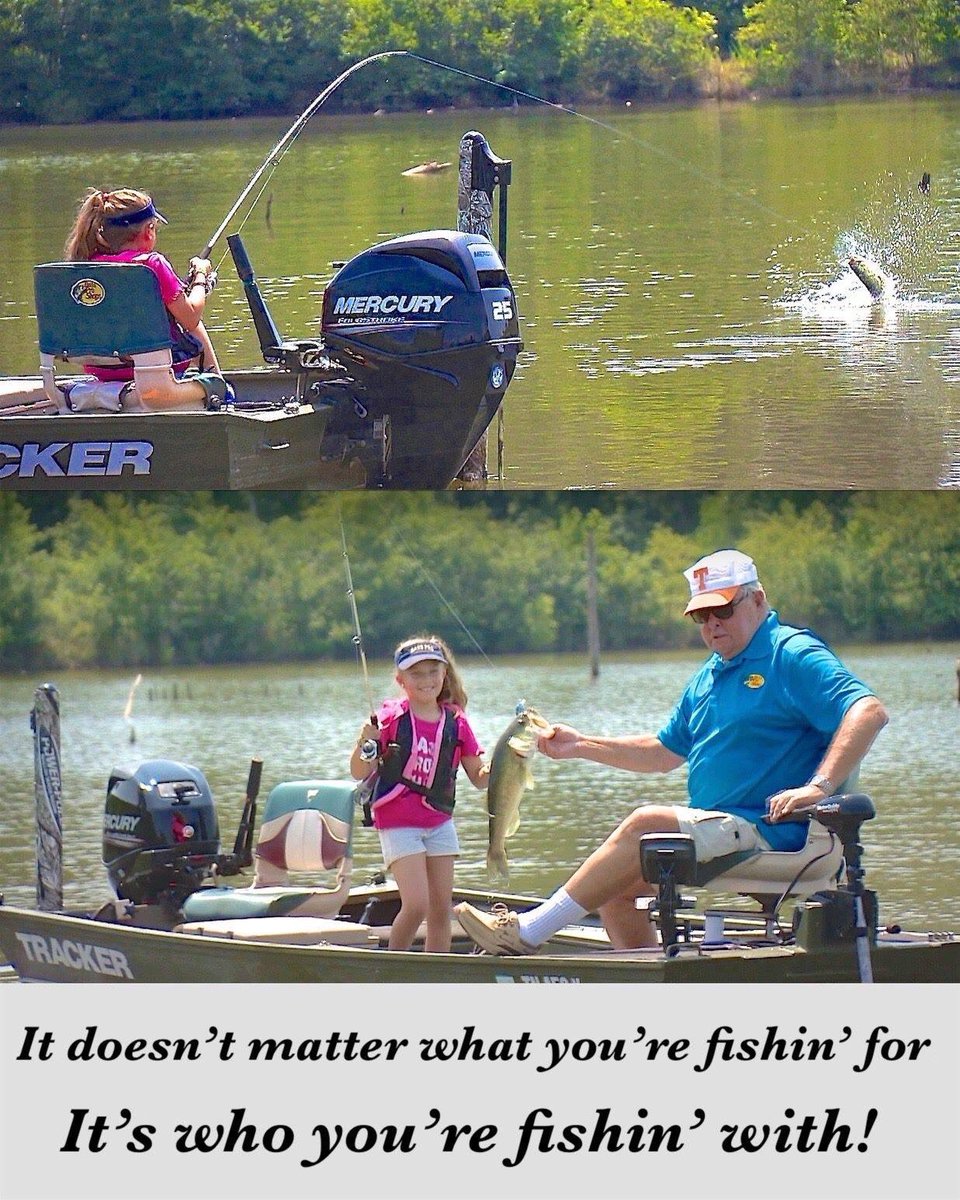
(75, 948)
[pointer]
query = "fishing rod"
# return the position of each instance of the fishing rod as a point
(357, 632)
(278, 151)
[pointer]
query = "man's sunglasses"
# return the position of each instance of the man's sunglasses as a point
(722, 612)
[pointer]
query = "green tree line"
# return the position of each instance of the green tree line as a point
(193, 578)
(71, 61)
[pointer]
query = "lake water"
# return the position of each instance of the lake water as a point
(302, 721)
(687, 314)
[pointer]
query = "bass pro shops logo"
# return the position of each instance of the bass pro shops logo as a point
(88, 293)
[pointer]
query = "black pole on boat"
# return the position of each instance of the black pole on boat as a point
(45, 723)
(267, 332)
(243, 845)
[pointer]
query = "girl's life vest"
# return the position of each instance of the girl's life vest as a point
(398, 757)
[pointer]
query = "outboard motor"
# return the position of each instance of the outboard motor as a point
(160, 832)
(428, 322)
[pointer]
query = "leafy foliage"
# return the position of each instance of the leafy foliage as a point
(135, 581)
(644, 48)
(70, 61)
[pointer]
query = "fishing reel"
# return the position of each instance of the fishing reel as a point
(209, 281)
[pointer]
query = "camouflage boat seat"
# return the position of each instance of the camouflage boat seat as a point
(307, 827)
(105, 314)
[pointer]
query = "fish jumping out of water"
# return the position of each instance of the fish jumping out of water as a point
(868, 275)
(510, 777)
(427, 168)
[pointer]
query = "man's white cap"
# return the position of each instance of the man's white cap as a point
(715, 579)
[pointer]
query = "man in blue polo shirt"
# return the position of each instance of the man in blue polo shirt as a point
(772, 722)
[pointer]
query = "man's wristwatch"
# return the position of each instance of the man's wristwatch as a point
(823, 783)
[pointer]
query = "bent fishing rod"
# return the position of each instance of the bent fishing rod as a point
(280, 149)
(272, 161)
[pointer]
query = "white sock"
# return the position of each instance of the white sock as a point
(543, 921)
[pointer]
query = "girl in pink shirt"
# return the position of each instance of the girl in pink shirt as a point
(421, 740)
(121, 226)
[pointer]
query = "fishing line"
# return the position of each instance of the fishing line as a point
(443, 600)
(666, 155)
(273, 159)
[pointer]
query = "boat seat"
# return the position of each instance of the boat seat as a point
(769, 876)
(831, 850)
(815, 867)
(106, 314)
(307, 826)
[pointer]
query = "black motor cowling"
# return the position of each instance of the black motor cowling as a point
(422, 293)
(426, 325)
(160, 832)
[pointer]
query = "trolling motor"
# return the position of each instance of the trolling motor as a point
(849, 913)
(161, 837)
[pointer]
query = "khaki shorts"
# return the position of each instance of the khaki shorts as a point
(406, 840)
(718, 833)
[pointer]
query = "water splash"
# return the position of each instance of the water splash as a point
(903, 235)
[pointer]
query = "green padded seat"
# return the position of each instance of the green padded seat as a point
(307, 826)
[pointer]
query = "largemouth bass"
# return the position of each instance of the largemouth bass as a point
(510, 777)
(868, 275)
